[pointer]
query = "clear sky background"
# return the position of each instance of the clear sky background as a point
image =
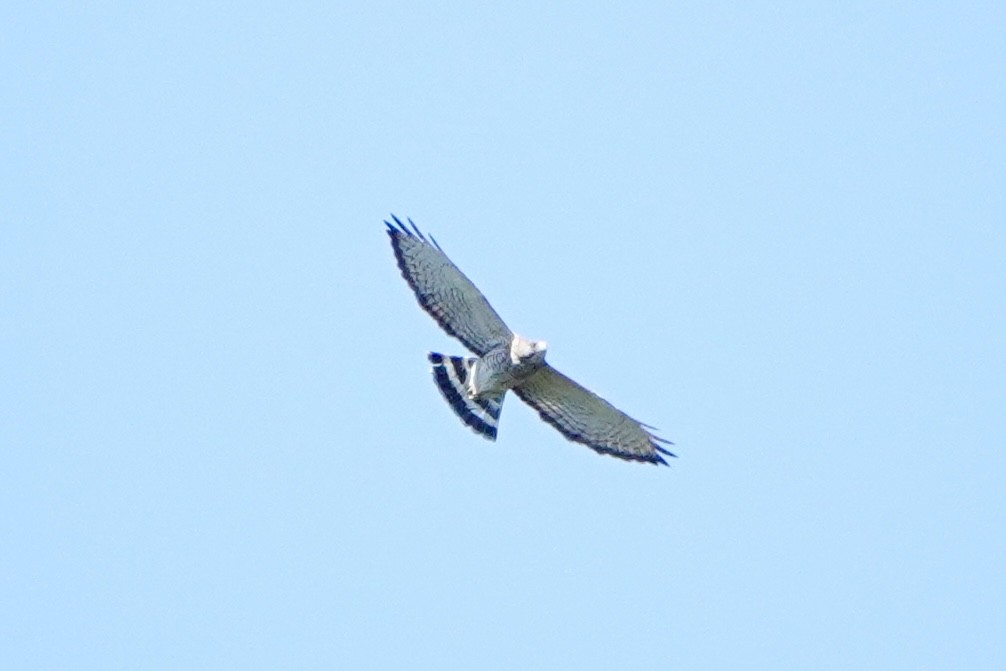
(775, 231)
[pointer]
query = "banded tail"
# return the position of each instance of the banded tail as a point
(451, 374)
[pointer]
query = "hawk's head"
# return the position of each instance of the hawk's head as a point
(524, 351)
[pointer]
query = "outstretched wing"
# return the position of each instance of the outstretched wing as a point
(584, 417)
(444, 291)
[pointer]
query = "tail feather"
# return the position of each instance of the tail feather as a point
(451, 375)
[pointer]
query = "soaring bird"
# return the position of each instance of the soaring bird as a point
(475, 386)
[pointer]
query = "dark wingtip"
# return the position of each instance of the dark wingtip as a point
(416, 229)
(398, 228)
(663, 451)
(401, 226)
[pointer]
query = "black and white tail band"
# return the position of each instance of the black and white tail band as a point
(451, 375)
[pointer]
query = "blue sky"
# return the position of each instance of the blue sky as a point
(777, 232)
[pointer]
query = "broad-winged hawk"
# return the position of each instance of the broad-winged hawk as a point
(475, 386)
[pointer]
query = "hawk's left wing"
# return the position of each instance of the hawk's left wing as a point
(444, 291)
(584, 417)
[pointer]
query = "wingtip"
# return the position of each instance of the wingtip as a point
(398, 222)
(662, 450)
(415, 228)
(399, 227)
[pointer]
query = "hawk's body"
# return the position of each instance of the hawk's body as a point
(475, 386)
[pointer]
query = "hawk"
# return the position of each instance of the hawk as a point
(504, 361)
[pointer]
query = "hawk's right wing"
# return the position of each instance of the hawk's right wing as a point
(584, 417)
(444, 291)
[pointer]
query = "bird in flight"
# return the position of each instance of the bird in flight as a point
(475, 386)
